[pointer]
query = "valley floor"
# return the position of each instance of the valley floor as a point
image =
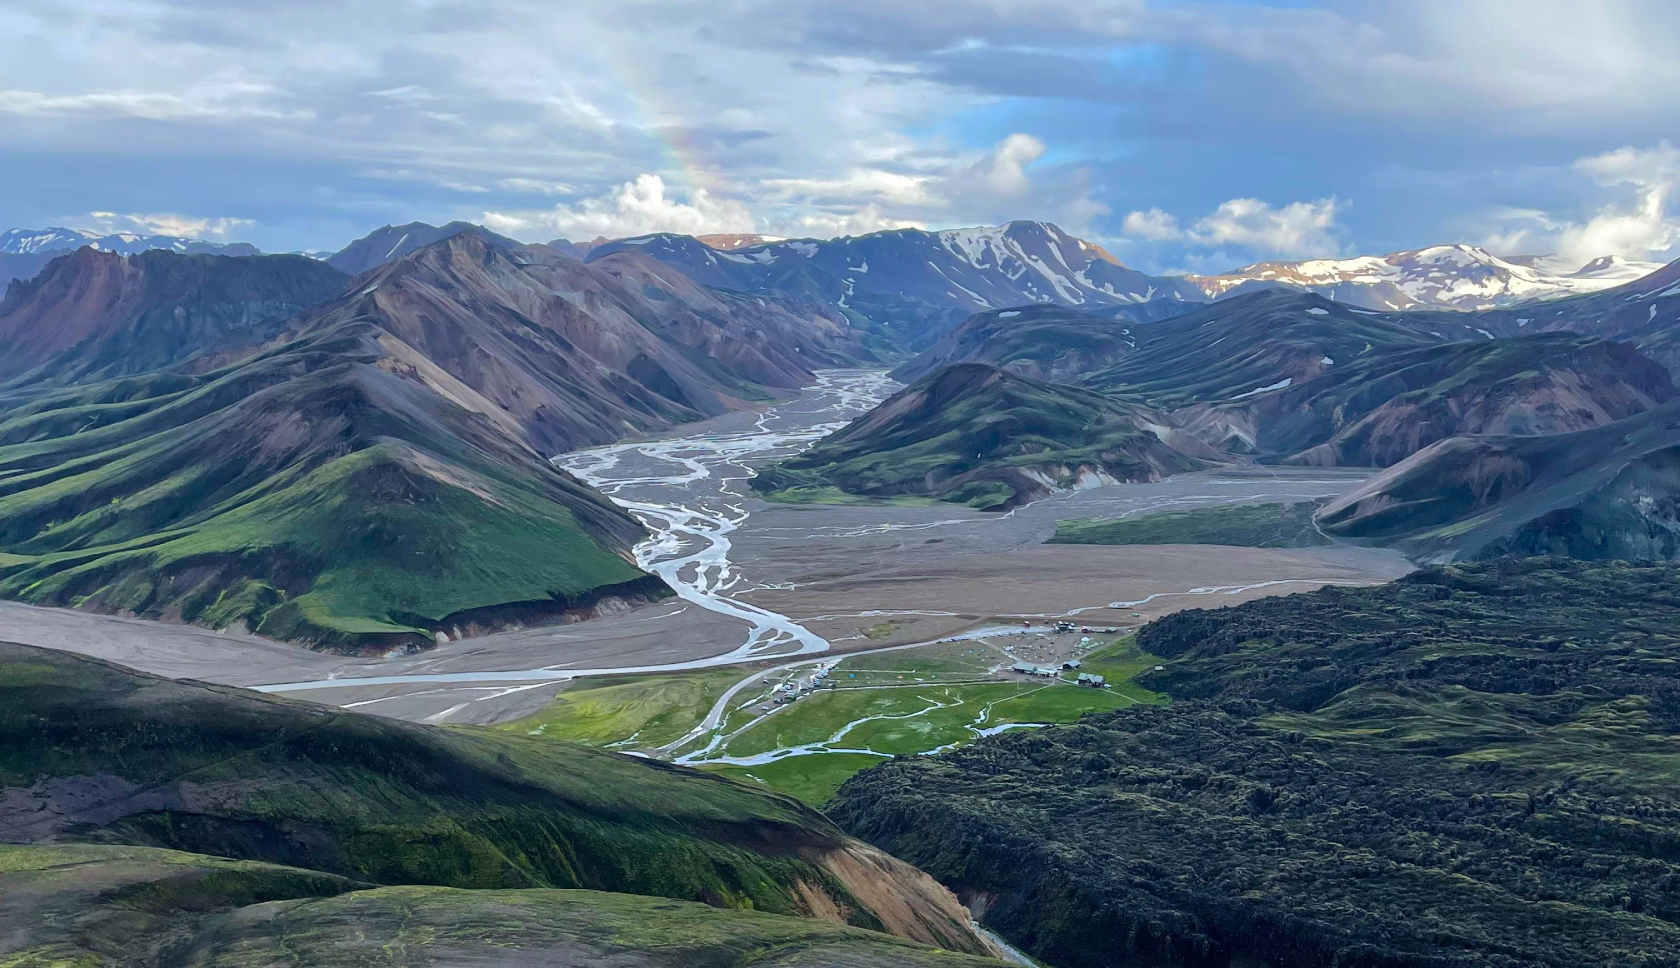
(765, 584)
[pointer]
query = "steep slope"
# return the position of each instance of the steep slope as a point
(1437, 277)
(1609, 492)
(138, 907)
(92, 314)
(1468, 767)
(582, 354)
(1258, 343)
(975, 434)
(1042, 342)
(94, 753)
(341, 491)
(374, 476)
(392, 242)
(920, 284)
(1384, 407)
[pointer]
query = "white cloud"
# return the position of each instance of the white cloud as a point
(1003, 170)
(184, 226)
(1296, 229)
(637, 207)
(1639, 224)
(222, 99)
(1153, 226)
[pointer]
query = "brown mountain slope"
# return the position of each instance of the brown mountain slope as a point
(577, 354)
(1380, 409)
(1609, 492)
(93, 314)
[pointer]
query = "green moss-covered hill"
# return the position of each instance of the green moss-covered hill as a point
(139, 907)
(96, 754)
(338, 491)
(1473, 766)
(972, 433)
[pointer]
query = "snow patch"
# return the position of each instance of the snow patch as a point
(1286, 381)
(1317, 311)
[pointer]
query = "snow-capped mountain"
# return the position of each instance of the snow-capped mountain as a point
(34, 241)
(924, 282)
(1437, 277)
(25, 252)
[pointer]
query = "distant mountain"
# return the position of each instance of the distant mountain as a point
(28, 241)
(973, 434)
(25, 252)
(1258, 343)
(1436, 277)
(578, 354)
(1292, 377)
(1645, 312)
(919, 284)
(297, 833)
(395, 241)
(578, 250)
(1043, 342)
(1386, 406)
(1606, 493)
(93, 313)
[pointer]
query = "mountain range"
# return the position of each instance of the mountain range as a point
(25, 252)
(368, 472)
(1541, 443)
(925, 282)
(1436, 277)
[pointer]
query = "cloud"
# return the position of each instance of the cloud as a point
(184, 226)
(1639, 224)
(224, 99)
(637, 207)
(1153, 225)
(1297, 229)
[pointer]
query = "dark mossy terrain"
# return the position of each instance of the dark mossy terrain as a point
(973, 434)
(1476, 765)
(91, 753)
(1242, 525)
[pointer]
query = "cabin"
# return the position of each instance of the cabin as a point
(1024, 668)
(1071, 664)
(1091, 681)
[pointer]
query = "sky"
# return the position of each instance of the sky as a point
(1184, 136)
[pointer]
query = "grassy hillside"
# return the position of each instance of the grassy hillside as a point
(1471, 766)
(104, 907)
(1242, 525)
(94, 753)
(327, 492)
(976, 435)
